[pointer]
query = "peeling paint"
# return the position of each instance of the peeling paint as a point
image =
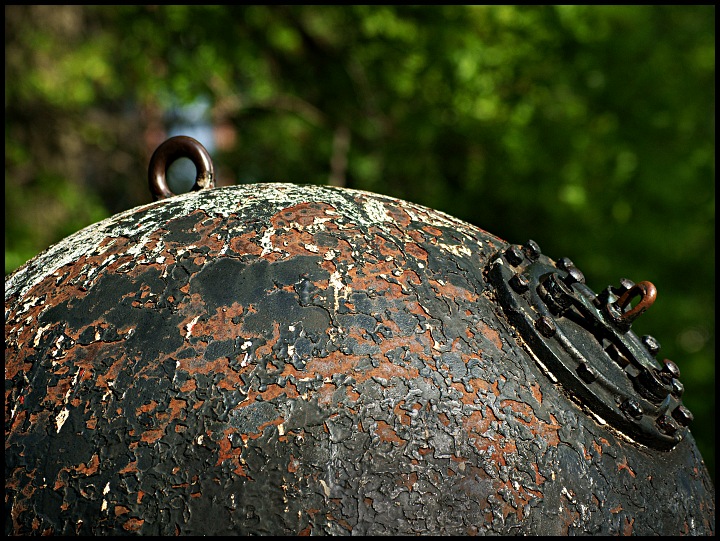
(281, 360)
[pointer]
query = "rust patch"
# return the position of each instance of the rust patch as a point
(151, 436)
(625, 466)
(388, 434)
(537, 393)
(628, 526)
(491, 334)
(133, 524)
(91, 467)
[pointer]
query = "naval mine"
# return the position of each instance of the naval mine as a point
(287, 359)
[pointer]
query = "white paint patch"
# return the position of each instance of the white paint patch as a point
(457, 249)
(184, 250)
(335, 281)
(266, 243)
(70, 389)
(321, 221)
(375, 211)
(341, 291)
(312, 248)
(189, 326)
(568, 494)
(61, 418)
(436, 344)
(327, 256)
(245, 361)
(326, 489)
(237, 201)
(41, 330)
(106, 490)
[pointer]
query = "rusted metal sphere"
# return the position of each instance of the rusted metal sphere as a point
(283, 359)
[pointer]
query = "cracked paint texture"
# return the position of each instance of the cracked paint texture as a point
(283, 359)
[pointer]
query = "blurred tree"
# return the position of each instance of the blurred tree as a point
(588, 128)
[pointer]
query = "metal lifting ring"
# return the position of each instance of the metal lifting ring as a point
(648, 294)
(174, 148)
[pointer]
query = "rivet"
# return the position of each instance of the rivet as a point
(652, 345)
(682, 415)
(545, 326)
(514, 255)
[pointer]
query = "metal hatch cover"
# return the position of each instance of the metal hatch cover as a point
(584, 340)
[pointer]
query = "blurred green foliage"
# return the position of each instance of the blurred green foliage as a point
(589, 129)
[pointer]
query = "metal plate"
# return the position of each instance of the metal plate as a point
(583, 341)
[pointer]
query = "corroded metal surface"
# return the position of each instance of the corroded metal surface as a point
(277, 359)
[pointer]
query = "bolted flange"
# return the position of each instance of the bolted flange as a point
(584, 340)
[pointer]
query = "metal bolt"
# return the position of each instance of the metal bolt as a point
(514, 255)
(666, 425)
(555, 293)
(633, 408)
(676, 388)
(532, 250)
(520, 283)
(574, 275)
(671, 369)
(652, 345)
(682, 415)
(564, 263)
(545, 326)
(626, 284)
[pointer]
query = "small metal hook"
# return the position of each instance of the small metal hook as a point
(174, 148)
(648, 294)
